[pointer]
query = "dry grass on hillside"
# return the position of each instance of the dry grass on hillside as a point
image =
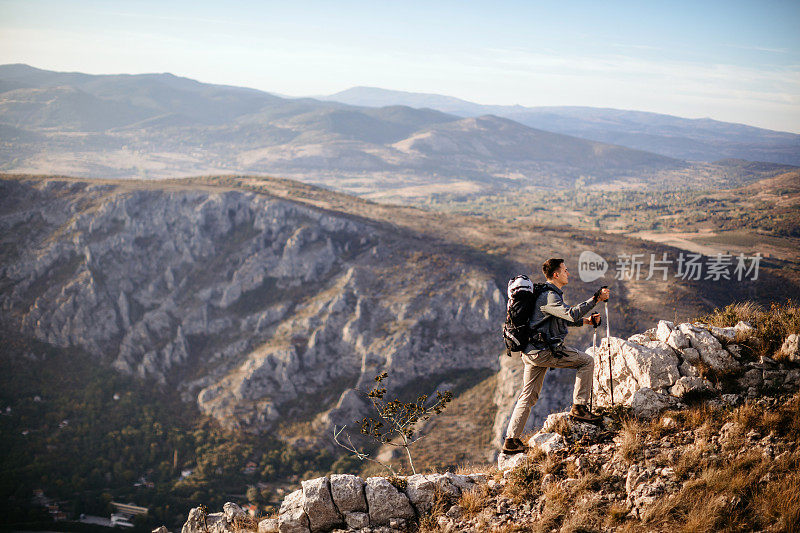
(726, 481)
(772, 325)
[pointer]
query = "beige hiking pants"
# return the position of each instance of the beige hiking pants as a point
(536, 365)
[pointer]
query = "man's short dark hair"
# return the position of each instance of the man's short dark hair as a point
(550, 266)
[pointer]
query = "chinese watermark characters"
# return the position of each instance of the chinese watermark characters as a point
(686, 266)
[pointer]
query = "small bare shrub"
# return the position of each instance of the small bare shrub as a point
(396, 424)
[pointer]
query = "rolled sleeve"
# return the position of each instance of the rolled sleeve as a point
(573, 316)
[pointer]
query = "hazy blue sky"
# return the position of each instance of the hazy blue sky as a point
(733, 61)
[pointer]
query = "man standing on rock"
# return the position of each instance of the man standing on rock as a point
(551, 317)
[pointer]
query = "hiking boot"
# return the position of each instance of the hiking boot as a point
(581, 413)
(512, 446)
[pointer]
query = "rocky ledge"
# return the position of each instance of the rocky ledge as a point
(656, 370)
(347, 502)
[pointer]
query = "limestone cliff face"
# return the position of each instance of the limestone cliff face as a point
(258, 308)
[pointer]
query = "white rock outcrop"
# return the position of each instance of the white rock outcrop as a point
(791, 348)
(224, 522)
(386, 502)
(318, 505)
(345, 500)
(292, 517)
(348, 493)
(665, 364)
(507, 462)
(633, 366)
(547, 442)
(711, 351)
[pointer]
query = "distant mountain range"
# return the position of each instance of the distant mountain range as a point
(160, 125)
(692, 139)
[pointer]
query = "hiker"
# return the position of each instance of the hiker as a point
(546, 349)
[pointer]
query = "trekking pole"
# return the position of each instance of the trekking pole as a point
(599, 370)
(608, 341)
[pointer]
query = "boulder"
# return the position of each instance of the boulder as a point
(547, 442)
(791, 348)
(751, 378)
(461, 482)
(194, 522)
(744, 330)
(687, 384)
(688, 369)
(268, 525)
(385, 502)
(724, 334)
(506, 462)
(231, 511)
(677, 340)
(633, 366)
(647, 403)
(720, 360)
(660, 366)
(577, 429)
(624, 383)
(691, 355)
(710, 349)
(664, 330)
(318, 505)
(421, 489)
(348, 493)
(199, 522)
(292, 518)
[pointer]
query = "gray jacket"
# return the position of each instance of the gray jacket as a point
(550, 304)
